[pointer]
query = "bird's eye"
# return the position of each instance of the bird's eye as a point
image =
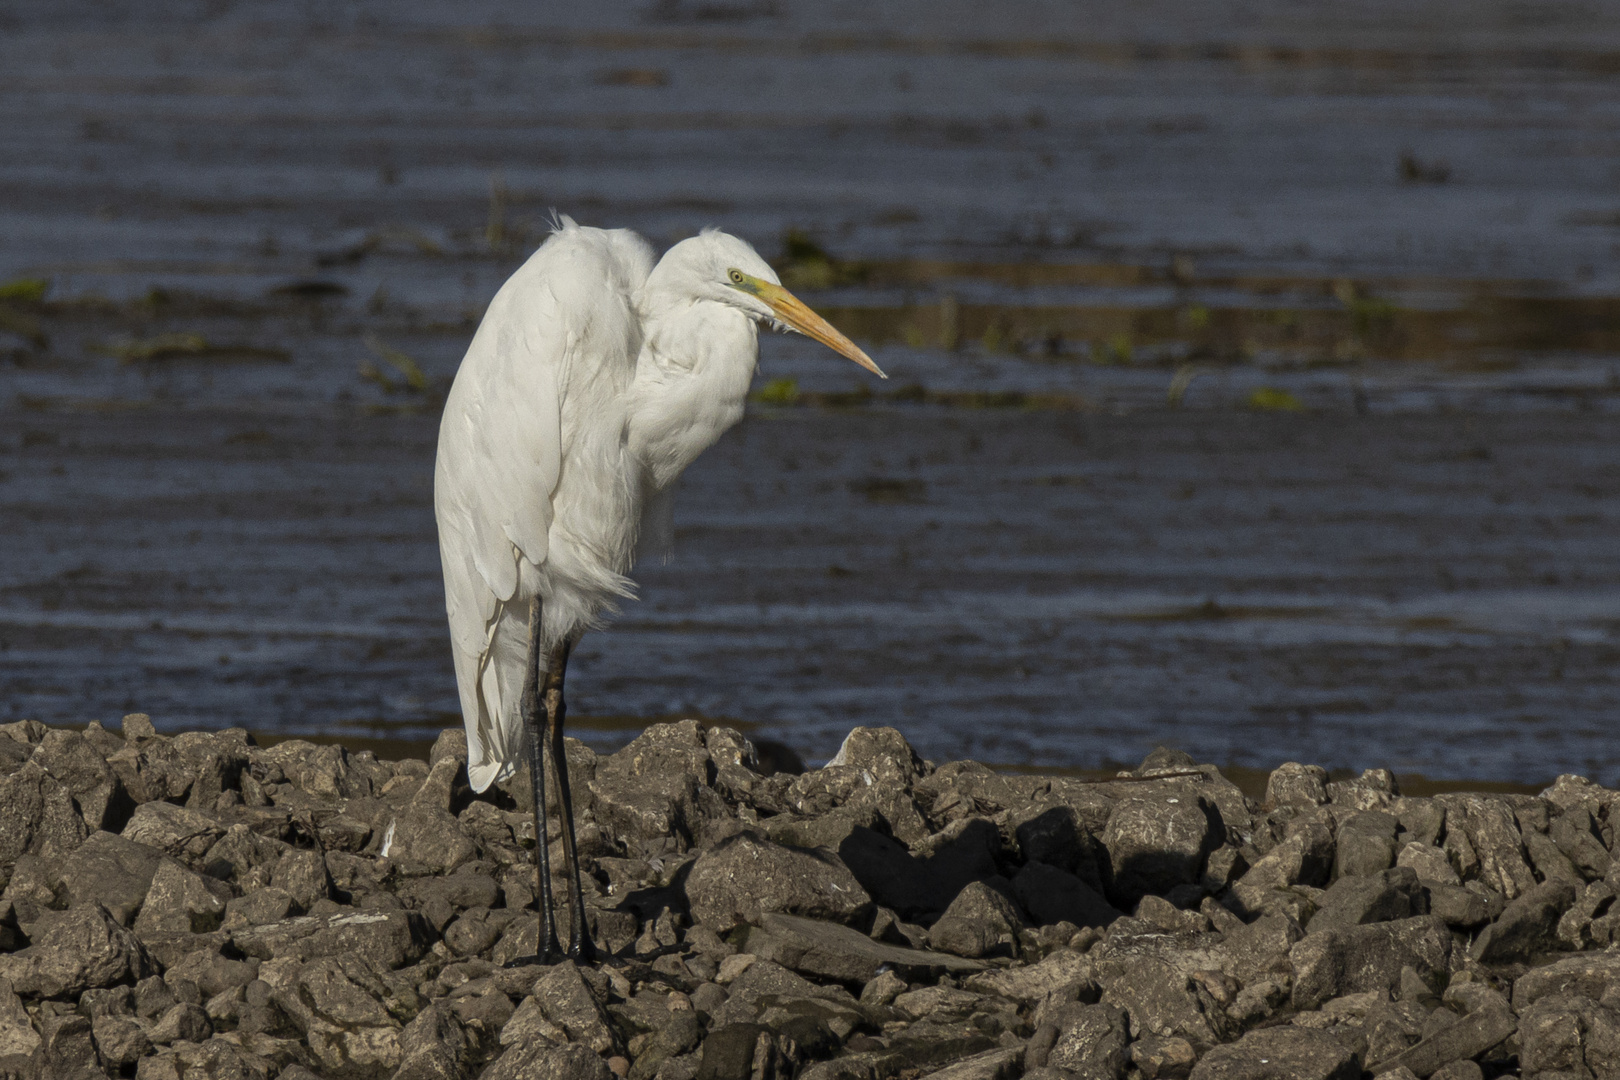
(736, 277)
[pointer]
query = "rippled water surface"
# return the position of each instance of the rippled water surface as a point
(1256, 367)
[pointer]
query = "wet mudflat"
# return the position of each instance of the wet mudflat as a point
(1255, 380)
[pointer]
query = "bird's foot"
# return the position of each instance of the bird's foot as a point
(583, 952)
(544, 959)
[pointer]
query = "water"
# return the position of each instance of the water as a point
(1255, 368)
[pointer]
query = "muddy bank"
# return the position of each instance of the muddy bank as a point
(199, 904)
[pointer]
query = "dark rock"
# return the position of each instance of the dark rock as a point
(425, 832)
(1527, 926)
(1492, 833)
(884, 755)
(981, 921)
(1356, 959)
(1162, 999)
(1158, 1058)
(680, 1035)
(261, 907)
(1575, 832)
(1568, 1035)
(556, 1063)
(78, 766)
(152, 997)
(244, 858)
(73, 951)
(302, 874)
(349, 1016)
(213, 973)
(119, 1040)
(921, 887)
(832, 951)
(1549, 863)
(1377, 897)
(1280, 1053)
(1592, 975)
(111, 869)
(1468, 1037)
(433, 1046)
(385, 939)
(737, 1052)
(746, 876)
(185, 834)
(37, 815)
(1002, 1064)
(1575, 925)
(1462, 906)
(1428, 862)
(1059, 973)
(571, 1004)
(182, 1022)
(1091, 1041)
(1293, 784)
(1157, 844)
(1365, 843)
(1051, 896)
(17, 1034)
(66, 1045)
(180, 901)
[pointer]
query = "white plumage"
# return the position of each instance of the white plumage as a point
(594, 379)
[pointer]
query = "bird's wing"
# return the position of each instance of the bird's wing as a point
(563, 315)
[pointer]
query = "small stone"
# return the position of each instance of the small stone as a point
(1053, 896)
(180, 901)
(981, 921)
(183, 1022)
(1376, 897)
(1293, 784)
(1280, 1053)
(618, 1065)
(1428, 862)
(1160, 1058)
(1156, 844)
(733, 966)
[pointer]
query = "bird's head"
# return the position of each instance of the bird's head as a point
(719, 267)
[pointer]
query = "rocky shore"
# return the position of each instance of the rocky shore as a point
(199, 906)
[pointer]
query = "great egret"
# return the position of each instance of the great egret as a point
(594, 379)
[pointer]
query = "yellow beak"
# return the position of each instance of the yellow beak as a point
(793, 312)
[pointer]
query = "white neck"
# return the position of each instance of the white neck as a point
(692, 377)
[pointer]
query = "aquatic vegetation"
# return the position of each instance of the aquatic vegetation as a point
(411, 381)
(185, 346)
(805, 264)
(778, 392)
(25, 290)
(1271, 399)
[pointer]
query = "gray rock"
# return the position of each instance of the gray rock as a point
(1002, 1064)
(1458, 1070)
(433, 1046)
(1575, 925)
(244, 858)
(1527, 926)
(1428, 862)
(425, 832)
(73, 951)
(681, 1034)
(1592, 975)
(1092, 1042)
(1060, 971)
(1567, 1035)
(1576, 834)
(111, 869)
(739, 1052)
(1159, 1058)
(1293, 784)
(571, 1004)
(981, 921)
(829, 950)
(37, 814)
(1377, 897)
(119, 1040)
(1356, 959)
(78, 766)
(1468, 1037)
(185, 834)
(1365, 843)
(1156, 844)
(1461, 906)
(302, 874)
(1280, 1053)
(17, 1034)
(261, 907)
(746, 876)
(548, 1063)
(385, 939)
(182, 1022)
(213, 973)
(1163, 1000)
(180, 901)
(883, 754)
(1052, 896)
(1492, 832)
(1549, 862)
(350, 1018)
(66, 1045)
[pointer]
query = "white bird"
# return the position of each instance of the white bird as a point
(595, 378)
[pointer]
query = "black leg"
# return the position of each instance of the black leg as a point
(547, 947)
(580, 946)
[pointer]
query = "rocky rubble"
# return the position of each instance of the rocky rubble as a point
(199, 906)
